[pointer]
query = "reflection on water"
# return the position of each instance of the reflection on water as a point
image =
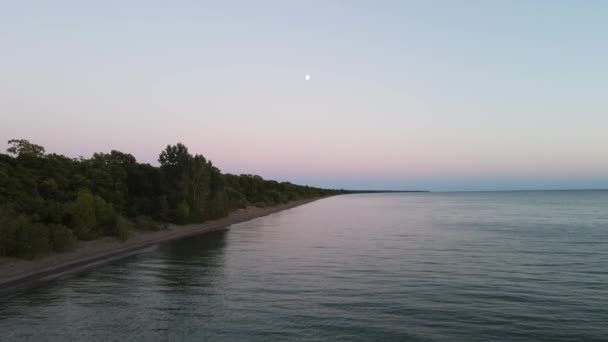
(469, 266)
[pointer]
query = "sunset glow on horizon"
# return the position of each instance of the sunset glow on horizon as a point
(405, 95)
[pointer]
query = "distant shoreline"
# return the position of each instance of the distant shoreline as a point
(17, 274)
(348, 192)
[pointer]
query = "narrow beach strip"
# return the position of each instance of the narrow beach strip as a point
(17, 274)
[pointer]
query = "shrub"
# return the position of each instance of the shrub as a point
(105, 216)
(147, 223)
(90, 216)
(164, 213)
(62, 238)
(182, 212)
(123, 228)
(235, 198)
(81, 213)
(32, 240)
(48, 188)
(274, 197)
(21, 237)
(51, 212)
(9, 224)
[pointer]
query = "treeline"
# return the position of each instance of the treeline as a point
(49, 201)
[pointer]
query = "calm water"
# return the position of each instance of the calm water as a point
(510, 266)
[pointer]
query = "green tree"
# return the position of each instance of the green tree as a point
(81, 214)
(21, 147)
(10, 222)
(176, 156)
(197, 178)
(47, 202)
(32, 240)
(182, 212)
(123, 228)
(62, 238)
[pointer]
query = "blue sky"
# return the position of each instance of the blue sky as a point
(439, 95)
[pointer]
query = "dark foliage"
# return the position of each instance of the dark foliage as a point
(48, 201)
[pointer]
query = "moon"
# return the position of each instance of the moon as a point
(307, 77)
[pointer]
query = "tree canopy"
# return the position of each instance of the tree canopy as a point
(21, 147)
(49, 201)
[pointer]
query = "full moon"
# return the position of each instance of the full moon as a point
(307, 77)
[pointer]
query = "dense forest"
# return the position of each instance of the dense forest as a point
(49, 201)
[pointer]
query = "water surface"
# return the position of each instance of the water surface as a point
(508, 266)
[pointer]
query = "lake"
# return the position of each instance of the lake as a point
(503, 266)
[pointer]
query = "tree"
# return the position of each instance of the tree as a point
(197, 175)
(47, 202)
(32, 240)
(20, 147)
(122, 228)
(175, 156)
(10, 222)
(182, 212)
(81, 213)
(198, 179)
(175, 161)
(62, 238)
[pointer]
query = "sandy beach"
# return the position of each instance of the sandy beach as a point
(20, 273)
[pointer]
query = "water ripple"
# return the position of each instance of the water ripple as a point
(382, 267)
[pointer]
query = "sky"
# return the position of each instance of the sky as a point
(436, 95)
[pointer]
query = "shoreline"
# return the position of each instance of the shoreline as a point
(17, 274)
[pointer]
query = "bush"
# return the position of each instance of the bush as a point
(81, 213)
(274, 197)
(147, 223)
(21, 237)
(164, 213)
(62, 238)
(32, 240)
(123, 228)
(105, 216)
(182, 212)
(51, 212)
(48, 188)
(90, 216)
(9, 224)
(235, 198)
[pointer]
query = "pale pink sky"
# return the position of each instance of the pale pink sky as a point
(403, 95)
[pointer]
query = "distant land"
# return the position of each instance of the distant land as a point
(378, 191)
